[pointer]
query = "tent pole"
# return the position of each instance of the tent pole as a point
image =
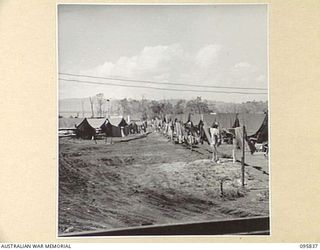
(243, 154)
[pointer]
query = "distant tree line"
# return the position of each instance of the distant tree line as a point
(148, 109)
(151, 108)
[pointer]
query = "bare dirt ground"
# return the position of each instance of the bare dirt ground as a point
(151, 181)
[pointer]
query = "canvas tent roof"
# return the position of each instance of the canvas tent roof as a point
(96, 122)
(114, 120)
(225, 120)
(252, 122)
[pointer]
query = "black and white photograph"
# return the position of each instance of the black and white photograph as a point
(163, 120)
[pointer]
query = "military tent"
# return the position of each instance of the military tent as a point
(84, 130)
(122, 123)
(225, 120)
(261, 134)
(124, 126)
(110, 130)
(252, 121)
(112, 127)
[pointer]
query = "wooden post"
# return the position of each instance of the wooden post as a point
(221, 188)
(243, 154)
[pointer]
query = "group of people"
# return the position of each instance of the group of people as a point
(134, 128)
(187, 133)
(176, 130)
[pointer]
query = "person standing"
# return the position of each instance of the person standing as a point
(215, 137)
(178, 131)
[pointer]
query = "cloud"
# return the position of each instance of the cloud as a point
(244, 67)
(209, 64)
(246, 75)
(163, 62)
(261, 78)
(207, 55)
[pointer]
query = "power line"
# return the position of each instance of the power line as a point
(166, 83)
(149, 87)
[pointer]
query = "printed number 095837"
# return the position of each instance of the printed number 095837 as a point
(308, 245)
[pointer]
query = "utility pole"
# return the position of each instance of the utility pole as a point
(91, 104)
(243, 154)
(108, 102)
(82, 101)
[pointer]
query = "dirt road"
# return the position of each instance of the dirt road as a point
(150, 181)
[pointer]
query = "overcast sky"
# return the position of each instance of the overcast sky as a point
(224, 45)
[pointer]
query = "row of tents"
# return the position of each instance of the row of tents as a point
(256, 123)
(88, 128)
